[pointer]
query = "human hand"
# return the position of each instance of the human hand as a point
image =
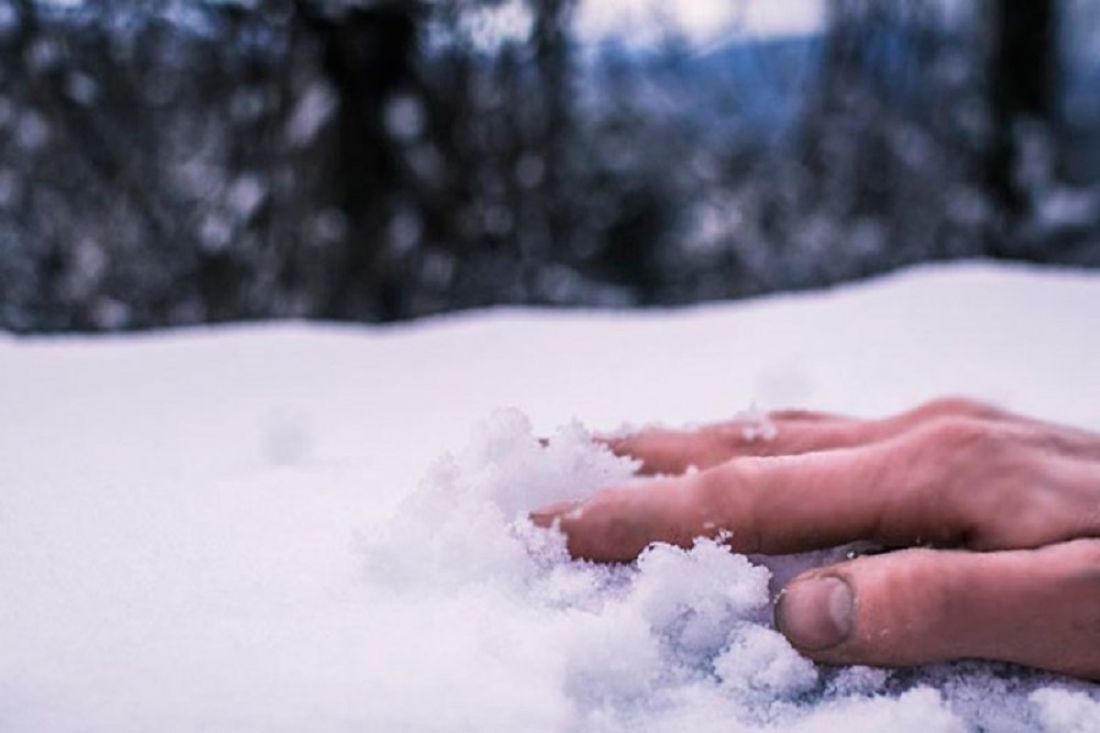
(1010, 504)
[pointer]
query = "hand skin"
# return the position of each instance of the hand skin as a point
(1011, 506)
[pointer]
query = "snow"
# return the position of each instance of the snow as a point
(312, 527)
(1062, 710)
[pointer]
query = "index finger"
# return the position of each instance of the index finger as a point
(775, 504)
(783, 432)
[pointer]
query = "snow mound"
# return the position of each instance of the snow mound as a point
(231, 529)
(681, 639)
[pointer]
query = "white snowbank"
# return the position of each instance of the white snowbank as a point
(233, 530)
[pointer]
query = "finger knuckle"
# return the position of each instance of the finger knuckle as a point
(725, 498)
(941, 585)
(738, 437)
(906, 598)
(722, 439)
(967, 437)
(712, 489)
(965, 467)
(708, 487)
(609, 529)
(1084, 556)
(623, 536)
(959, 406)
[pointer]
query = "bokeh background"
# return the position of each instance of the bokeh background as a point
(171, 162)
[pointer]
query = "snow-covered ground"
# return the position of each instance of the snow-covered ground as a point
(249, 529)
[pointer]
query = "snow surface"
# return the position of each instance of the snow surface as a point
(250, 528)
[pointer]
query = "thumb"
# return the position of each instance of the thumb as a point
(1032, 607)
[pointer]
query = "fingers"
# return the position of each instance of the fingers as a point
(670, 452)
(779, 504)
(949, 483)
(1032, 607)
(784, 432)
(616, 524)
(771, 505)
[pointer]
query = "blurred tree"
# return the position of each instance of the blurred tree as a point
(369, 52)
(167, 162)
(1023, 94)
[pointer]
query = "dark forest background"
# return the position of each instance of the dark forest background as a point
(168, 162)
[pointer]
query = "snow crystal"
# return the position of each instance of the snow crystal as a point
(756, 425)
(859, 680)
(759, 660)
(1066, 711)
(920, 710)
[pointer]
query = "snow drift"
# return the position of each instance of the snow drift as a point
(253, 529)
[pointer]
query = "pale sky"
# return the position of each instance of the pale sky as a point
(644, 22)
(701, 22)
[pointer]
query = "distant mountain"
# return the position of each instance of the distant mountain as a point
(756, 85)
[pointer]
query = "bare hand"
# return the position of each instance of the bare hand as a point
(1016, 500)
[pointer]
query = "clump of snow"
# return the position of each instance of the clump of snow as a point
(469, 516)
(1067, 711)
(920, 710)
(758, 660)
(626, 643)
(756, 425)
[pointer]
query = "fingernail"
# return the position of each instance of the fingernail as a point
(816, 614)
(545, 516)
(541, 518)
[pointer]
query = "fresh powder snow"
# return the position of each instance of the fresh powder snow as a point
(313, 527)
